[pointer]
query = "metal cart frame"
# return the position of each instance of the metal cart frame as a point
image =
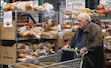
(74, 63)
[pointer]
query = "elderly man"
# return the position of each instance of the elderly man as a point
(88, 38)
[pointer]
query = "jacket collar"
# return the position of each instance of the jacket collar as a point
(88, 28)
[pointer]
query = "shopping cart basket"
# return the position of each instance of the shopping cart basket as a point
(75, 60)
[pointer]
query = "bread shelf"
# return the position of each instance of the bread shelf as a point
(12, 33)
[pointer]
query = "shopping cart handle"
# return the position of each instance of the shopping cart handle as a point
(82, 56)
(77, 51)
(72, 50)
(86, 52)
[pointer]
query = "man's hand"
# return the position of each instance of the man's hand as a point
(66, 47)
(83, 50)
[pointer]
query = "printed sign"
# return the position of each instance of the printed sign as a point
(75, 4)
(107, 3)
(7, 21)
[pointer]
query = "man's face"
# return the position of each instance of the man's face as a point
(82, 23)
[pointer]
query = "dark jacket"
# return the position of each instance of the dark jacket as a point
(93, 41)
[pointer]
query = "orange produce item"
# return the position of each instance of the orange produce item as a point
(30, 24)
(66, 25)
(107, 10)
(21, 24)
(101, 6)
(101, 11)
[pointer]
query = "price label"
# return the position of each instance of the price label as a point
(7, 19)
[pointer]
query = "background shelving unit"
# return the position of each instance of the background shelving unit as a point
(1, 19)
(6, 40)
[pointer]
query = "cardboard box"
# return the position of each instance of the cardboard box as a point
(105, 34)
(67, 36)
(7, 54)
(8, 33)
(61, 41)
(107, 56)
(28, 65)
(69, 33)
(24, 65)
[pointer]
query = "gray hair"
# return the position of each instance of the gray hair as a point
(85, 16)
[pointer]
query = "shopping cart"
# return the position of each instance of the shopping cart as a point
(63, 59)
(68, 59)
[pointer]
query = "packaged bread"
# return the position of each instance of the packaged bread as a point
(24, 33)
(48, 7)
(54, 28)
(20, 46)
(53, 32)
(69, 12)
(21, 59)
(21, 51)
(49, 24)
(10, 6)
(45, 63)
(24, 5)
(21, 55)
(28, 6)
(45, 34)
(38, 8)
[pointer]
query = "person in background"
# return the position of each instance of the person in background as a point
(88, 37)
